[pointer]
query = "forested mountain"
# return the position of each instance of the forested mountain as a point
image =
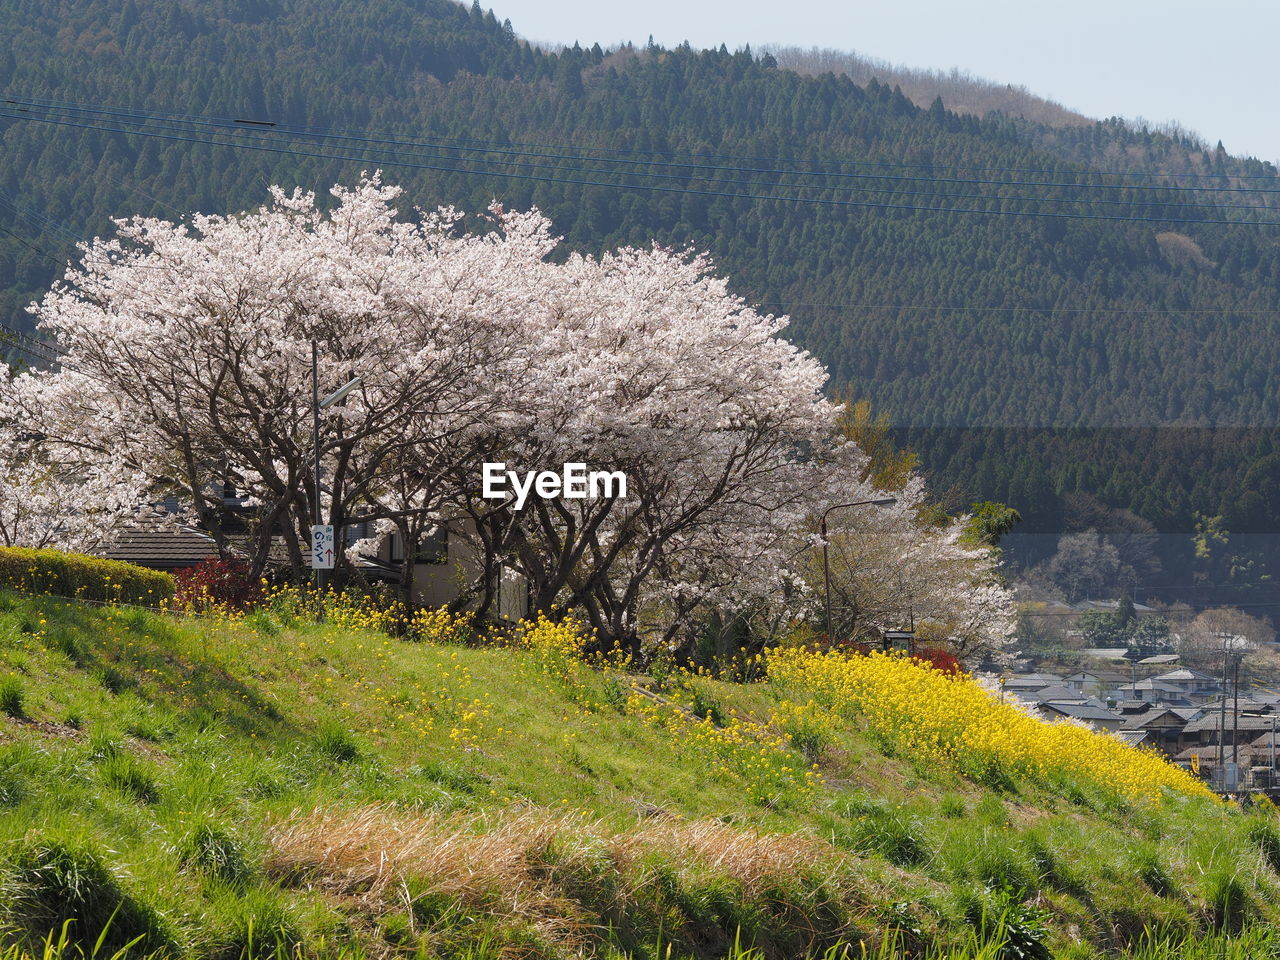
(962, 92)
(1010, 292)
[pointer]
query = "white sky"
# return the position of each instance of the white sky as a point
(1212, 67)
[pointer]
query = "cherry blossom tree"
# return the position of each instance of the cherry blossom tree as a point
(653, 369)
(896, 567)
(188, 356)
(193, 344)
(59, 498)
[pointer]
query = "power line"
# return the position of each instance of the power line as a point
(39, 251)
(649, 188)
(237, 128)
(447, 142)
(42, 219)
(42, 350)
(232, 130)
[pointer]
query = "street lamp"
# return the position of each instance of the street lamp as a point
(826, 567)
(318, 404)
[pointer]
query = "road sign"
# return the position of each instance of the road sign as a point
(898, 639)
(322, 546)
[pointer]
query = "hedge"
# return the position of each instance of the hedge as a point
(81, 576)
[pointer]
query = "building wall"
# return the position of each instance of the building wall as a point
(437, 584)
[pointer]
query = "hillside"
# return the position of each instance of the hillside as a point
(330, 791)
(1014, 293)
(962, 92)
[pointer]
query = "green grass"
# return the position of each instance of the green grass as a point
(273, 788)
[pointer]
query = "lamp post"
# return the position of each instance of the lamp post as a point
(318, 404)
(826, 566)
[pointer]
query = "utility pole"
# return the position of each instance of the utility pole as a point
(1222, 718)
(1235, 711)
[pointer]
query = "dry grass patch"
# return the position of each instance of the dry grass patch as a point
(370, 849)
(373, 848)
(563, 875)
(757, 861)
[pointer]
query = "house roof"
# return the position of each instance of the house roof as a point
(1161, 716)
(1106, 653)
(1109, 605)
(1131, 737)
(1211, 720)
(1080, 711)
(1209, 754)
(165, 549)
(1185, 674)
(1105, 676)
(1165, 696)
(1058, 692)
(1134, 707)
(1024, 683)
(1158, 685)
(1037, 675)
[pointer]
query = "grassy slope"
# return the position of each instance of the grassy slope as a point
(249, 777)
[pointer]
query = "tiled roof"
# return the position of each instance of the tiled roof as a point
(1164, 718)
(1135, 707)
(1058, 692)
(1246, 754)
(1212, 718)
(1080, 711)
(1025, 683)
(1183, 674)
(1105, 676)
(161, 549)
(1132, 737)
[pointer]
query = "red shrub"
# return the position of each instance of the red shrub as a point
(942, 660)
(211, 583)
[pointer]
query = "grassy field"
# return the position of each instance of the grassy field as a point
(270, 787)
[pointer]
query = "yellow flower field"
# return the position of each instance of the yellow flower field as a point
(936, 717)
